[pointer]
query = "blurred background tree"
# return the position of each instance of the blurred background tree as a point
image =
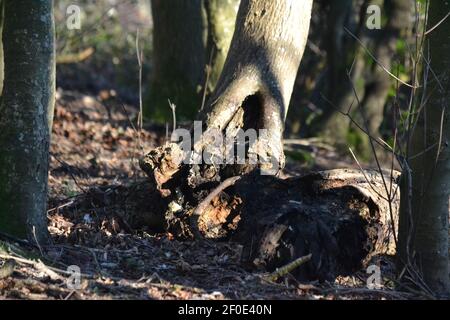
(190, 41)
(344, 68)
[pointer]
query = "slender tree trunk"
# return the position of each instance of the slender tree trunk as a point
(187, 37)
(378, 80)
(221, 21)
(424, 219)
(27, 103)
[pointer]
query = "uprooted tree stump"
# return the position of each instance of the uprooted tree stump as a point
(342, 217)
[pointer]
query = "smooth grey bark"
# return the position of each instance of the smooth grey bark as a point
(25, 117)
(257, 80)
(424, 215)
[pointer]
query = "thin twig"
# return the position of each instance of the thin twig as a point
(364, 174)
(372, 146)
(282, 271)
(140, 57)
(205, 203)
(437, 24)
(69, 169)
(208, 73)
(36, 240)
(441, 133)
(376, 60)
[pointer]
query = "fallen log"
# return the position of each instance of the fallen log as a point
(337, 216)
(341, 217)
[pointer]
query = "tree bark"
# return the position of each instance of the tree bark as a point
(187, 37)
(424, 220)
(25, 117)
(256, 83)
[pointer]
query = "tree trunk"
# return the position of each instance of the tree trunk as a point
(25, 117)
(424, 221)
(337, 216)
(378, 80)
(256, 83)
(221, 21)
(187, 36)
(179, 58)
(334, 93)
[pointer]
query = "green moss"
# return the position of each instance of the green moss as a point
(8, 248)
(10, 222)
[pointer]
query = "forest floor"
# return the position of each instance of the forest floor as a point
(95, 147)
